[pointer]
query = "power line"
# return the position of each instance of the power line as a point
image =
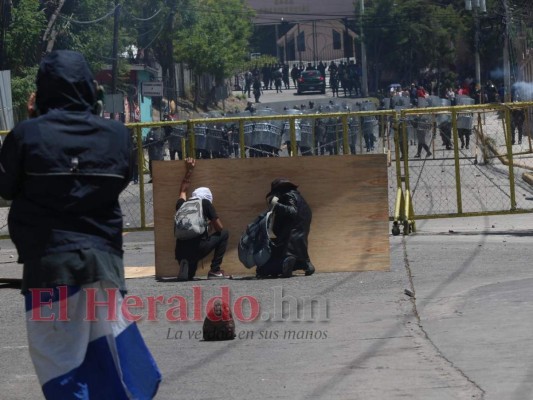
(143, 19)
(93, 21)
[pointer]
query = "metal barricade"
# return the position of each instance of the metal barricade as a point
(306, 135)
(465, 120)
(333, 131)
(266, 137)
(297, 127)
(369, 125)
(400, 101)
(200, 140)
(216, 138)
(444, 124)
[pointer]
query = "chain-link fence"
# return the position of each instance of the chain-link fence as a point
(453, 161)
(466, 160)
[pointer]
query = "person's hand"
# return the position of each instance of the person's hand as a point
(31, 106)
(189, 164)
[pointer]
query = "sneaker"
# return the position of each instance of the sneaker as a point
(183, 274)
(288, 267)
(429, 154)
(310, 270)
(218, 275)
(417, 155)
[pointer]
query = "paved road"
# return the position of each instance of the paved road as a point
(466, 333)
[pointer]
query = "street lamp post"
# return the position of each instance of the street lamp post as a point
(478, 6)
(506, 62)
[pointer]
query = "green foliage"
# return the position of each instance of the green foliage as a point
(23, 36)
(258, 62)
(87, 26)
(217, 41)
(411, 38)
(405, 40)
(21, 88)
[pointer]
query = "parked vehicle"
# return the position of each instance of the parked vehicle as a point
(311, 81)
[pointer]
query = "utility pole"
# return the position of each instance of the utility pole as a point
(476, 47)
(115, 49)
(479, 6)
(114, 67)
(506, 63)
(364, 74)
(298, 45)
(314, 43)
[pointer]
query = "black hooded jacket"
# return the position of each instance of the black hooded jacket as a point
(292, 223)
(65, 169)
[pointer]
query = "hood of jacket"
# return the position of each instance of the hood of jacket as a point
(64, 81)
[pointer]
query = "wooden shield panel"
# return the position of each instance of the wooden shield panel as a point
(347, 194)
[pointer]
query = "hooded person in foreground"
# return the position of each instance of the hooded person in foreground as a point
(64, 170)
(288, 230)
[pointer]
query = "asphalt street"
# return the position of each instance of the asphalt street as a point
(464, 332)
(450, 320)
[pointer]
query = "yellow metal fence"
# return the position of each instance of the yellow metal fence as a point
(442, 161)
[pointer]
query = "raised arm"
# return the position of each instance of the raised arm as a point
(189, 167)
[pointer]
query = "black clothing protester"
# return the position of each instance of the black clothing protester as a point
(291, 227)
(65, 169)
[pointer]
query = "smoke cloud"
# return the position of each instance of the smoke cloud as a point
(522, 91)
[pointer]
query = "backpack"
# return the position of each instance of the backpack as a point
(219, 323)
(254, 244)
(189, 220)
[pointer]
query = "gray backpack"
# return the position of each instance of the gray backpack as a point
(189, 220)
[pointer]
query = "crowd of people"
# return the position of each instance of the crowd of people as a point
(487, 93)
(345, 75)
(466, 93)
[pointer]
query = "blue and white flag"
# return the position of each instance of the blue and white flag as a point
(83, 347)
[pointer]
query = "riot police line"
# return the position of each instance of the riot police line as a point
(420, 129)
(267, 133)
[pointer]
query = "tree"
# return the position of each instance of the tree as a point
(154, 25)
(87, 26)
(410, 39)
(216, 41)
(23, 36)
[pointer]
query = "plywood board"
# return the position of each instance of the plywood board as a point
(347, 194)
(138, 272)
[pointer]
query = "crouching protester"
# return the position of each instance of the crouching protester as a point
(288, 231)
(64, 170)
(194, 217)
